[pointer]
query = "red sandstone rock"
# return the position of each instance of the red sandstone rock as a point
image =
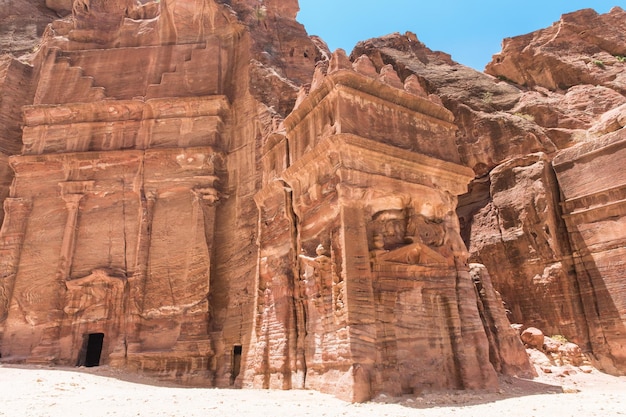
(22, 24)
(117, 185)
(593, 43)
(206, 240)
(594, 213)
(137, 182)
(517, 233)
(369, 266)
(485, 137)
(507, 353)
(533, 337)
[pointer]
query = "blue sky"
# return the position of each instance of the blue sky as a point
(471, 31)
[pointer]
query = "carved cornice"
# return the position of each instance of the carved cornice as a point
(123, 110)
(34, 165)
(353, 153)
(347, 79)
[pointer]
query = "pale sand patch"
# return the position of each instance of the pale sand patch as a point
(51, 392)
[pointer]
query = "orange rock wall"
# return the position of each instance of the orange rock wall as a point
(594, 214)
(230, 205)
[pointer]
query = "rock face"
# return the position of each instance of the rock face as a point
(199, 191)
(23, 23)
(533, 136)
(184, 203)
(589, 272)
(594, 213)
(594, 44)
(129, 115)
(360, 246)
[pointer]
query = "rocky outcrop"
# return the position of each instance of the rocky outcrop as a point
(22, 23)
(486, 136)
(519, 234)
(595, 46)
(551, 90)
(360, 248)
(594, 212)
(152, 106)
(584, 120)
(220, 201)
(195, 233)
(506, 352)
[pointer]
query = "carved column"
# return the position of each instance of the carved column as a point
(359, 299)
(271, 360)
(148, 201)
(137, 283)
(205, 198)
(11, 239)
(72, 192)
(72, 202)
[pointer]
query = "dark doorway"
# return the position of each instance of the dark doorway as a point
(92, 350)
(237, 349)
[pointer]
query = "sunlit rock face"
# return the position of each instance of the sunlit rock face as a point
(358, 226)
(165, 217)
(130, 140)
(543, 139)
(593, 45)
(595, 212)
(200, 191)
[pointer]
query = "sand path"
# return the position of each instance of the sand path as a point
(51, 392)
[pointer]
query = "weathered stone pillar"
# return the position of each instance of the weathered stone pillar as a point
(72, 202)
(11, 238)
(148, 202)
(72, 192)
(359, 302)
(137, 282)
(205, 198)
(272, 360)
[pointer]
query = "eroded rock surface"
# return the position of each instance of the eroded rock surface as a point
(200, 191)
(595, 46)
(117, 132)
(558, 89)
(22, 23)
(193, 232)
(359, 228)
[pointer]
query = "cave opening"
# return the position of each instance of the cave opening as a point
(236, 368)
(91, 350)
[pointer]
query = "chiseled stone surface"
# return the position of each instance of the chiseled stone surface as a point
(200, 191)
(595, 215)
(336, 262)
(556, 89)
(360, 228)
(111, 220)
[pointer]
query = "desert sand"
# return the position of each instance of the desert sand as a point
(44, 391)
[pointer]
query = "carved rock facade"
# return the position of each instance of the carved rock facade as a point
(363, 281)
(544, 139)
(109, 227)
(179, 200)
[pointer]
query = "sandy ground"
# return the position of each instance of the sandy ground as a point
(42, 391)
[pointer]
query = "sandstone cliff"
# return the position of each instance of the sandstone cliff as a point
(201, 191)
(549, 108)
